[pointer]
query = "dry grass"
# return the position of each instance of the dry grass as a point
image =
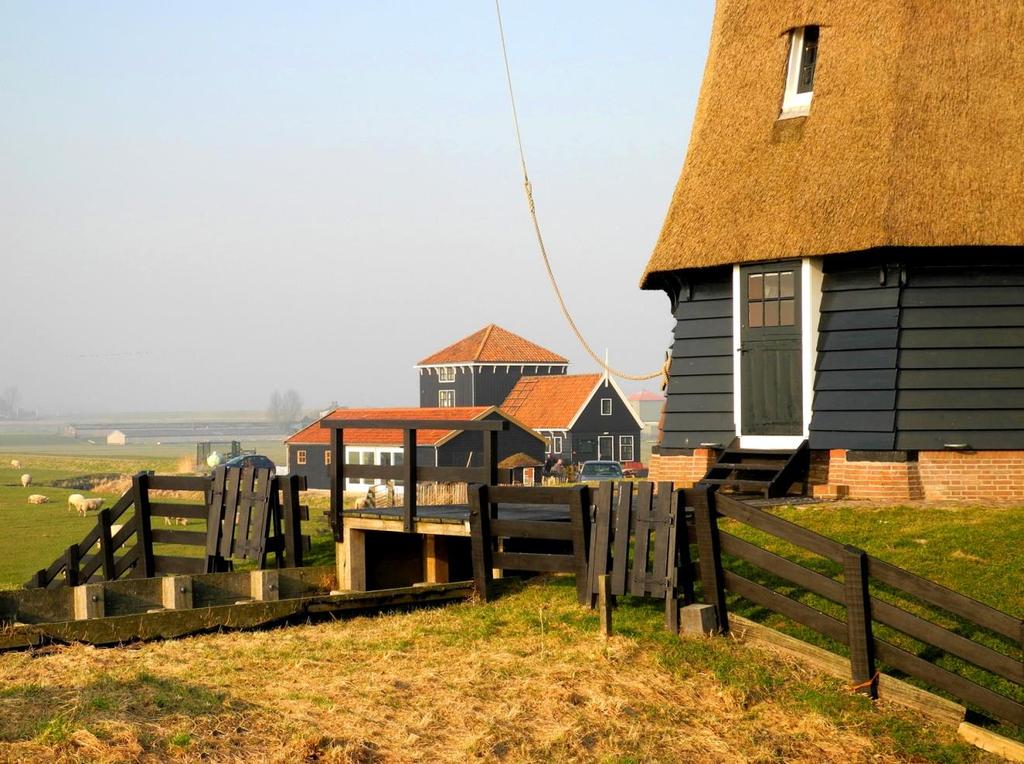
(524, 679)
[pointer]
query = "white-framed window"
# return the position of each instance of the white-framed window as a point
(606, 407)
(327, 457)
(557, 444)
(803, 58)
(625, 448)
(300, 456)
(548, 444)
(446, 398)
(446, 374)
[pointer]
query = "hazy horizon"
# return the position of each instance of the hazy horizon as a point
(202, 203)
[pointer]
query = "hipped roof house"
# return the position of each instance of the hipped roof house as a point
(843, 249)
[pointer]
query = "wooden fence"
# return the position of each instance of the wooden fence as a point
(246, 517)
(864, 577)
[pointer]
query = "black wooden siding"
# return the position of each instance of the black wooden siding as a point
(593, 424)
(932, 356)
(485, 386)
(699, 406)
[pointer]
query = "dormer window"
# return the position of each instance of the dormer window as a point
(803, 56)
(446, 374)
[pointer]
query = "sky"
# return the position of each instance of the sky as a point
(203, 202)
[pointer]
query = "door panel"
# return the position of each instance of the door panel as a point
(605, 447)
(771, 381)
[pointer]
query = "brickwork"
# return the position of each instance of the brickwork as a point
(965, 476)
(683, 471)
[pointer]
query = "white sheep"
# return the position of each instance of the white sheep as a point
(73, 501)
(86, 505)
(38, 498)
(15, 464)
(26, 480)
(175, 520)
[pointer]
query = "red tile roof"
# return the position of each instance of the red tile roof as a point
(314, 433)
(549, 402)
(492, 344)
(646, 395)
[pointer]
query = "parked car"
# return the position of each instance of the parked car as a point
(600, 470)
(257, 461)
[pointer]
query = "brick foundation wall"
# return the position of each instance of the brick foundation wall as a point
(957, 475)
(682, 471)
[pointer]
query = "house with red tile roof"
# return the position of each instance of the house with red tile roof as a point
(581, 416)
(482, 369)
(309, 451)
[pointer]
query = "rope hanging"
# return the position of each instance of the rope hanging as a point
(662, 372)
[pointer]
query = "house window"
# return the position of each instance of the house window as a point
(300, 457)
(547, 444)
(327, 457)
(446, 374)
(803, 58)
(625, 448)
(771, 299)
(446, 398)
(606, 407)
(557, 444)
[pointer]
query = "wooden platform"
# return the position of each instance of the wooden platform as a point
(173, 606)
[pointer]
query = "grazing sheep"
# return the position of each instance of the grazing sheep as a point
(73, 501)
(38, 498)
(15, 464)
(86, 505)
(26, 480)
(175, 520)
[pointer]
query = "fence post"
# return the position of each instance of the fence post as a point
(710, 551)
(337, 484)
(409, 478)
(684, 569)
(71, 558)
(106, 545)
(480, 540)
(491, 456)
(292, 522)
(858, 621)
(143, 521)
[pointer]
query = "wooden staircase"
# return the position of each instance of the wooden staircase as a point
(768, 472)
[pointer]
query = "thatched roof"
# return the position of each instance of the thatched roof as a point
(518, 460)
(914, 136)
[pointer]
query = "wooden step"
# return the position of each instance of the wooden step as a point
(754, 464)
(757, 485)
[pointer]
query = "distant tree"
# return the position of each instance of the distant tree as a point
(10, 402)
(286, 407)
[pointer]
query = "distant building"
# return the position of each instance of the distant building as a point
(309, 449)
(581, 416)
(482, 369)
(116, 438)
(648, 406)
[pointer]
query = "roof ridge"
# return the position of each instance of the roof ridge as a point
(483, 342)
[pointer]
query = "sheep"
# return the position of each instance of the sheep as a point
(26, 480)
(89, 504)
(38, 498)
(175, 520)
(15, 464)
(73, 501)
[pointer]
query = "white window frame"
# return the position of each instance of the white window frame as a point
(609, 407)
(446, 374)
(548, 445)
(300, 456)
(441, 395)
(327, 458)
(624, 440)
(796, 104)
(557, 443)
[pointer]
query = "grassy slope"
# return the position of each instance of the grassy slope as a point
(526, 678)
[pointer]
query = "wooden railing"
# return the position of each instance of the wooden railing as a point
(409, 472)
(122, 546)
(863, 606)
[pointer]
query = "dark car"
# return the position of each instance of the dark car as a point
(256, 461)
(600, 470)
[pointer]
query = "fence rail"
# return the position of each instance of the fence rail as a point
(864, 608)
(122, 545)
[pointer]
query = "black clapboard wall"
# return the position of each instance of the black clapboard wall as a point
(699, 406)
(919, 350)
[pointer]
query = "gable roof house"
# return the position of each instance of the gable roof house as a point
(481, 369)
(309, 451)
(844, 249)
(580, 416)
